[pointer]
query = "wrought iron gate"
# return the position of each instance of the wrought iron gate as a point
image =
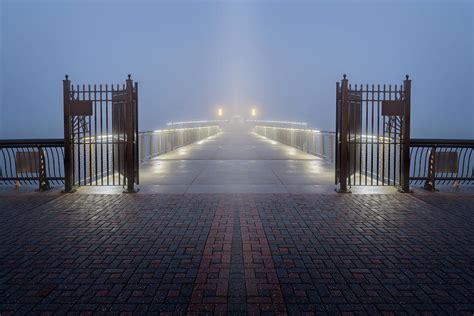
(372, 134)
(101, 134)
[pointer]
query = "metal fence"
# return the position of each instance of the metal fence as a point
(438, 161)
(155, 143)
(100, 133)
(373, 134)
(315, 142)
(432, 161)
(32, 161)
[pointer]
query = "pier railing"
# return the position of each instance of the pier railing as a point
(158, 142)
(315, 142)
(32, 161)
(432, 161)
(41, 161)
(441, 161)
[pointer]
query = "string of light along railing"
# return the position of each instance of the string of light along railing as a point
(195, 122)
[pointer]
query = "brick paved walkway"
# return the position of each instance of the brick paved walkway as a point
(236, 254)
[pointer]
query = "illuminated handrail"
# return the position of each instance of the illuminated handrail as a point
(189, 124)
(282, 124)
(154, 143)
(312, 141)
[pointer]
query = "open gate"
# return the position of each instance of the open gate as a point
(101, 135)
(372, 135)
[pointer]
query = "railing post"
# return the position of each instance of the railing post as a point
(405, 163)
(150, 144)
(159, 142)
(344, 150)
(323, 145)
(130, 131)
(331, 147)
(43, 180)
(430, 179)
(136, 133)
(306, 140)
(68, 165)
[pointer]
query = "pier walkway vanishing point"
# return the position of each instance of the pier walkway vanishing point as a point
(237, 162)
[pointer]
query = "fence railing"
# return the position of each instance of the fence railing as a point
(41, 161)
(284, 124)
(189, 124)
(315, 142)
(441, 161)
(32, 161)
(155, 143)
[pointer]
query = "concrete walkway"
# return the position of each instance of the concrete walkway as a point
(237, 162)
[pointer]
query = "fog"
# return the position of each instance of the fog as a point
(281, 57)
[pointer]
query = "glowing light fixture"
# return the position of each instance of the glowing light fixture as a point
(219, 112)
(254, 112)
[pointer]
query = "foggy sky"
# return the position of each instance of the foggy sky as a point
(282, 57)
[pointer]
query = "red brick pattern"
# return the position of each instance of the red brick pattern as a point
(257, 254)
(372, 254)
(212, 282)
(263, 288)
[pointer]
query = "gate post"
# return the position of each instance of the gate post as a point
(68, 179)
(344, 150)
(405, 163)
(130, 132)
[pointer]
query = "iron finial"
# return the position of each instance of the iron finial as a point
(67, 77)
(407, 76)
(129, 76)
(344, 76)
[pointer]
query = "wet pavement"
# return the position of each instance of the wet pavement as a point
(238, 254)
